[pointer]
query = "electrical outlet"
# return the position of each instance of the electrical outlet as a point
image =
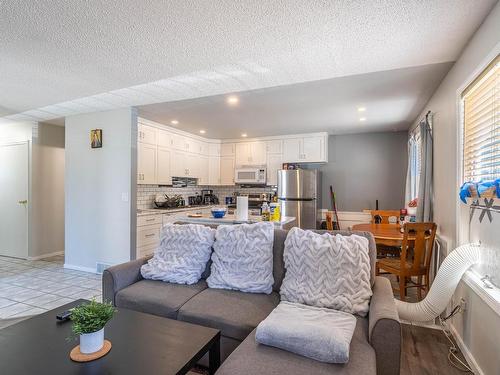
(463, 305)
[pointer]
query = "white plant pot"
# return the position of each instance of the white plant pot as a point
(92, 342)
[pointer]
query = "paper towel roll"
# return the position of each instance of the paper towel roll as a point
(242, 208)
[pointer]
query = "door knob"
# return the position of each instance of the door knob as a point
(23, 202)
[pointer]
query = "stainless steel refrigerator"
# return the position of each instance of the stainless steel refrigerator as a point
(299, 195)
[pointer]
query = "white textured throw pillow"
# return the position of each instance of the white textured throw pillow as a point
(243, 258)
(314, 332)
(182, 255)
(326, 270)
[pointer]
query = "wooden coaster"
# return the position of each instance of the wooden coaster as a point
(78, 356)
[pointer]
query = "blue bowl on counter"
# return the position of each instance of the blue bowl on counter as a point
(218, 213)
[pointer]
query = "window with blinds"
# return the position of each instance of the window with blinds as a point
(481, 115)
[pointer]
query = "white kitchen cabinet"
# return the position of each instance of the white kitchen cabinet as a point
(274, 164)
(203, 170)
(179, 163)
(213, 170)
(305, 149)
(163, 166)
(193, 165)
(313, 149)
(179, 142)
(147, 134)
(204, 148)
(227, 170)
(292, 150)
(214, 149)
(250, 153)
(165, 138)
(227, 149)
(274, 146)
(146, 164)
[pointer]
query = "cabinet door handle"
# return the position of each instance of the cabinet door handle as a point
(150, 235)
(148, 220)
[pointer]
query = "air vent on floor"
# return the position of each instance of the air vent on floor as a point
(100, 267)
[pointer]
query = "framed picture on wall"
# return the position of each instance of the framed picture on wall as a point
(96, 138)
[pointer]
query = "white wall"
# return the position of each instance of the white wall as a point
(100, 189)
(47, 191)
(16, 131)
(481, 343)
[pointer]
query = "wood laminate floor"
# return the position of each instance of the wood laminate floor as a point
(425, 352)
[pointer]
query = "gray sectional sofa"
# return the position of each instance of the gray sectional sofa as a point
(375, 346)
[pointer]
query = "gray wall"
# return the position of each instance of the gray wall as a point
(365, 167)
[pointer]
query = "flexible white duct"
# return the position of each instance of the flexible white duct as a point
(443, 287)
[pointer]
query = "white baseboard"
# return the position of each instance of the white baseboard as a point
(48, 255)
(79, 268)
(466, 352)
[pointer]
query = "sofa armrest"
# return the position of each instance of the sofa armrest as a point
(120, 276)
(385, 328)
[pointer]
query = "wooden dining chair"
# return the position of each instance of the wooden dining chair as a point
(415, 260)
(386, 216)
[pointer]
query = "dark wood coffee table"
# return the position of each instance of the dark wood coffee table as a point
(142, 344)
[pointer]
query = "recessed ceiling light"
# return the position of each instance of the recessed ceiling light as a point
(202, 131)
(232, 100)
(362, 119)
(174, 122)
(361, 109)
(244, 135)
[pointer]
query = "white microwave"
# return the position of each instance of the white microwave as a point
(250, 175)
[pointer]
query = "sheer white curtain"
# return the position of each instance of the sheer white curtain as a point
(413, 172)
(419, 173)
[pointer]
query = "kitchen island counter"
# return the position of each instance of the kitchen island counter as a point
(286, 222)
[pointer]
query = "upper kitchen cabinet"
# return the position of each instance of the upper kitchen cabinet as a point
(203, 170)
(274, 164)
(146, 164)
(250, 153)
(214, 170)
(147, 134)
(165, 138)
(274, 146)
(227, 149)
(227, 170)
(163, 166)
(309, 149)
(214, 149)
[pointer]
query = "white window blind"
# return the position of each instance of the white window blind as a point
(481, 114)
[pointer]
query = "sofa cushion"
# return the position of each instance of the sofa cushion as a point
(327, 270)
(251, 358)
(234, 313)
(182, 255)
(157, 297)
(243, 258)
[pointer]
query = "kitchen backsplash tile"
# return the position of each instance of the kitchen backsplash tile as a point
(146, 193)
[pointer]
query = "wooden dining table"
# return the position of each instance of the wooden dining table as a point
(384, 234)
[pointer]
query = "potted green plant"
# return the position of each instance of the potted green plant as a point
(89, 320)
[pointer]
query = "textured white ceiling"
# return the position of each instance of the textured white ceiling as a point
(392, 100)
(62, 57)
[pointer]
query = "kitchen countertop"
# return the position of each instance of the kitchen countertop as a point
(230, 219)
(160, 211)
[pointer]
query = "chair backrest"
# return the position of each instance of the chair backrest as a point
(424, 235)
(385, 215)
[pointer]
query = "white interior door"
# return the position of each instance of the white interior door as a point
(14, 169)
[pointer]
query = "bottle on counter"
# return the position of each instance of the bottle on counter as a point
(275, 212)
(266, 214)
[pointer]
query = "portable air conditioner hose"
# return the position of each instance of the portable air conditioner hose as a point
(443, 287)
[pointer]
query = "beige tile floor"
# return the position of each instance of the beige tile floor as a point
(32, 287)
